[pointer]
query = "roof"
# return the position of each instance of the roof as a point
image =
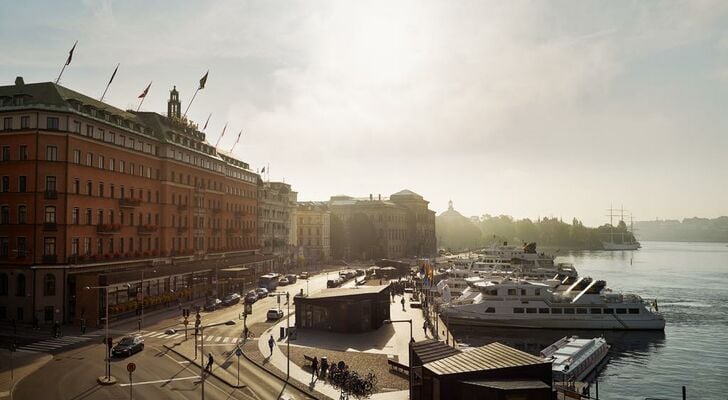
(432, 350)
(354, 291)
(407, 192)
(508, 384)
(488, 357)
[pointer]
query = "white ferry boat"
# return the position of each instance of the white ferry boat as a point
(573, 359)
(586, 304)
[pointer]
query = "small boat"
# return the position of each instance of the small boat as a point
(573, 359)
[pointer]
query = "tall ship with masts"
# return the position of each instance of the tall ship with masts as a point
(623, 239)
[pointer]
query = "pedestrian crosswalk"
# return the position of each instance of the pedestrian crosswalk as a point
(46, 346)
(206, 338)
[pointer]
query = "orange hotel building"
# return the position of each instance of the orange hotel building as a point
(139, 202)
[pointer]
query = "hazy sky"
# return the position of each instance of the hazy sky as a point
(524, 108)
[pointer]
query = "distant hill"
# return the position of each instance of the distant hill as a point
(689, 230)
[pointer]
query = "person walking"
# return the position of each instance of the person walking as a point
(83, 326)
(403, 309)
(271, 343)
(208, 367)
(314, 368)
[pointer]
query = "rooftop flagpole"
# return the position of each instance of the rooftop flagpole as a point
(109, 84)
(144, 96)
(236, 141)
(68, 61)
(203, 81)
(221, 135)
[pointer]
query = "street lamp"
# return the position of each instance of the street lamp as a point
(412, 340)
(288, 335)
(202, 349)
(141, 290)
(106, 342)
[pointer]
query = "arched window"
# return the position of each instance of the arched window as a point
(49, 285)
(20, 287)
(3, 284)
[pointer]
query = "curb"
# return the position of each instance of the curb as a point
(198, 365)
(106, 382)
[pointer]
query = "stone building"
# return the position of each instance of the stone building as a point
(92, 195)
(313, 223)
(276, 211)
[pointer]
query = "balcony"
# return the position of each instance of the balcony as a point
(50, 259)
(181, 207)
(50, 227)
(146, 229)
(108, 229)
(50, 194)
(129, 203)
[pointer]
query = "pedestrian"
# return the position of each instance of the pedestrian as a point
(324, 367)
(424, 327)
(271, 343)
(392, 296)
(403, 309)
(83, 326)
(208, 367)
(314, 368)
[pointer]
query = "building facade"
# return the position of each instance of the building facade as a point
(92, 194)
(276, 214)
(313, 223)
(400, 226)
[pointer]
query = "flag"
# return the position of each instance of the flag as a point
(208, 120)
(144, 93)
(238, 139)
(262, 170)
(113, 75)
(70, 53)
(203, 81)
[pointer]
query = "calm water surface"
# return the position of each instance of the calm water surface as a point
(690, 283)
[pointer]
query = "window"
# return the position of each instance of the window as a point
(6, 153)
(121, 166)
(621, 311)
(24, 122)
(77, 157)
(76, 186)
(511, 292)
(20, 285)
(100, 216)
(22, 214)
(8, 123)
(49, 246)
(89, 188)
(518, 310)
(89, 130)
(88, 217)
(595, 310)
(568, 311)
(74, 246)
(23, 152)
(51, 153)
(101, 189)
(50, 215)
(22, 246)
(4, 215)
(112, 164)
(530, 311)
(77, 127)
(22, 184)
(490, 310)
(131, 168)
(4, 247)
(634, 310)
(581, 310)
(49, 285)
(52, 123)
(608, 311)
(101, 161)
(3, 284)
(75, 215)
(89, 159)
(50, 184)
(543, 310)
(6, 184)
(87, 246)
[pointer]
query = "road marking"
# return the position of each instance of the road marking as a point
(183, 362)
(149, 334)
(219, 338)
(225, 340)
(187, 378)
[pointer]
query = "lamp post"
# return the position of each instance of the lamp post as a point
(106, 342)
(202, 350)
(412, 340)
(288, 335)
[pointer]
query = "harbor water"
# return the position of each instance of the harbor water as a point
(690, 283)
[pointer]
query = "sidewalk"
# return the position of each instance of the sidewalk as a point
(389, 339)
(24, 364)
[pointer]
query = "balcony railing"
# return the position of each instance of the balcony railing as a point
(50, 259)
(50, 227)
(108, 229)
(146, 229)
(129, 203)
(50, 195)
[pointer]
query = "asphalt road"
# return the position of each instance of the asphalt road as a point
(161, 373)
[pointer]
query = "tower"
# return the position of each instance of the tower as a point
(449, 205)
(173, 105)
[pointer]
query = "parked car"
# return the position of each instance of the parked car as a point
(291, 278)
(274, 313)
(213, 304)
(232, 298)
(262, 292)
(251, 297)
(332, 283)
(127, 346)
(283, 282)
(304, 275)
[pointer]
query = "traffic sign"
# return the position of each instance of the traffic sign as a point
(238, 352)
(131, 367)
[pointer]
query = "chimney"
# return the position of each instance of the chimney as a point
(19, 81)
(371, 197)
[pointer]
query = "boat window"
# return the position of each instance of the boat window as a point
(518, 310)
(634, 310)
(537, 292)
(608, 311)
(531, 311)
(621, 311)
(556, 311)
(490, 310)
(581, 310)
(595, 310)
(511, 292)
(523, 292)
(568, 310)
(543, 310)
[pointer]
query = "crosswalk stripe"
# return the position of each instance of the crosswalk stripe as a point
(219, 338)
(27, 351)
(148, 334)
(225, 340)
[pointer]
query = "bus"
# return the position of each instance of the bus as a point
(269, 281)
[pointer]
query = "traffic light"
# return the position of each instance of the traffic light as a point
(110, 342)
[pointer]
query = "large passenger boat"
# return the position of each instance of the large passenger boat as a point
(585, 304)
